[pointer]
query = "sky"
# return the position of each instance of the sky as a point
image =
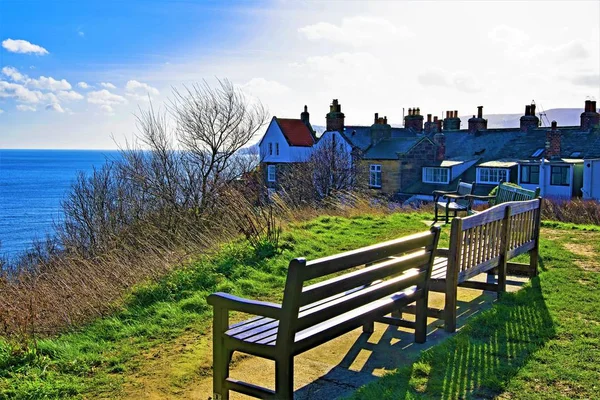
(73, 74)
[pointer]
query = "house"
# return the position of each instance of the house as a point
(285, 141)
(434, 154)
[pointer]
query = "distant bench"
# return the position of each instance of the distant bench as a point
(506, 192)
(393, 275)
(484, 242)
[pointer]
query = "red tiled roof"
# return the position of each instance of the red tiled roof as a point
(296, 133)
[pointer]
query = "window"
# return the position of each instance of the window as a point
(492, 175)
(537, 153)
(560, 176)
(375, 175)
(271, 173)
(436, 175)
(277, 148)
(270, 149)
(530, 174)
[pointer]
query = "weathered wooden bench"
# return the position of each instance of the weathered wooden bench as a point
(455, 201)
(392, 275)
(481, 243)
(506, 192)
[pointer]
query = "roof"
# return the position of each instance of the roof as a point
(295, 132)
(388, 149)
(498, 164)
(449, 163)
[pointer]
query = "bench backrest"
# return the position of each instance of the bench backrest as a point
(387, 268)
(463, 189)
(477, 242)
(508, 193)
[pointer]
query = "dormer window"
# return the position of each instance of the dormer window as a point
(492, 175)
(436, 175)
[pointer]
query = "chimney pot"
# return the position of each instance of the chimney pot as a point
(554, 125)
(435, 118)
(479, 111)
(428, 117)
(418, 111)
(528, 110)
(376, 117)
(533, 109)
(455, 113)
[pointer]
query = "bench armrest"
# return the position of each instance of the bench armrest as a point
(456, 196)
(234, 303)
(439, 193)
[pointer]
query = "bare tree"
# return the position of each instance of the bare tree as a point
(212, 125)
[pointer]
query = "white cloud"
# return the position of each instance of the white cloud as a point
(466, 83)
(81, 33)
(460, 81)
(104, 97)
(23, 107)
(54, 107)
(108, 85)
(23, 46)
(19, 92)
(140, 90)
(49, 83)
(356, 31)
(1, 111)
(84, 85)
(508, 35)
(261, 87)
(69, 95)
(592, 80)
(107, 109)
(433, 77)
(14, 74)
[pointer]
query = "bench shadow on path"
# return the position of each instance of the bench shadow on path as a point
(477, 367)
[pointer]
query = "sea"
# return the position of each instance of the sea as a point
(33, 184)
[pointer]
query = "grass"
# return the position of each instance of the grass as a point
(542, 342)
(99, 360)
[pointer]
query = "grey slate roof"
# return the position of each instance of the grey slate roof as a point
(388, 149)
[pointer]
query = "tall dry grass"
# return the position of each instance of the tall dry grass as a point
(575, 211)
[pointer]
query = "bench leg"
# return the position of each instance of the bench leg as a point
(284, 377)
(397, 314)
(369, 327)
(221, 362)
(533, 262)
(450, 309)
(421, 320)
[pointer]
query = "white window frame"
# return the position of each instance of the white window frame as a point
(374, 172)
(489, 171)
(271, 173)
(433, 171)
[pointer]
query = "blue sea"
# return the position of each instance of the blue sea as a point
(32, 185)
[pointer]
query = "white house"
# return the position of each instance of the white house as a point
(591, 179)
(559, 178)
(285, 141)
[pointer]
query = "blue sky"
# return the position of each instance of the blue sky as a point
(73, 73)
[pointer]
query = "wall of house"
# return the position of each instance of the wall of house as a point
(343, 147)
(390, 175)
(287, 153)
(591, 179)
(412, 163)
(548, 190)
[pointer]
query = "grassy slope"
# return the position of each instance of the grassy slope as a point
(542, 342)
(100, 359)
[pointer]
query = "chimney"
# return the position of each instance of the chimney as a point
(414, 119)
(479, 123)
(440, 141)
(335, 117)
(380, 129)
(376, 117)
(305, 117)
(553, 142)
(590, 118)
(451, 122)
(529, 121)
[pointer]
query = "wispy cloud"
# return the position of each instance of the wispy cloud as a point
(49, 83)
(23, 47)
(23, 107)
(108, 85)
(13, 74)
(55, 107)
(84, 85)
(140, 90)
(104, 97)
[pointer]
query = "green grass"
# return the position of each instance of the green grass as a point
(542, 342)
(96, 360)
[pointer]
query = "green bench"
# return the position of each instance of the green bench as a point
(366, 285)
(506, 192)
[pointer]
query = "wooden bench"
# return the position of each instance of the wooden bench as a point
(392, 275)
(455, 201)
(481, 243)
(506, 192)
